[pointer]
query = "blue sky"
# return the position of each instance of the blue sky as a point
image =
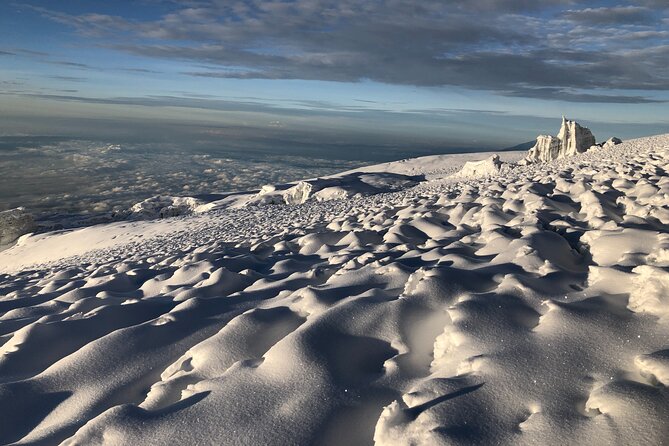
(433, 74)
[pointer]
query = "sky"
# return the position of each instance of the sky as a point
(344, 74)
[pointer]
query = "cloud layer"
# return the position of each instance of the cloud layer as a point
(88, 177)
(539, 49)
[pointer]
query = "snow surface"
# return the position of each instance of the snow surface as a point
(409, 305)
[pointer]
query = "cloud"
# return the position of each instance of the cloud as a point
(68, 63)
(139, 70)
(30, 52)
(517, 48)
(69, 78)
(83, 177)
(570, 96)
(250, 105)
(612, 16)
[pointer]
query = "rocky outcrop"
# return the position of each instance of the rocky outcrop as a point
(571, 140)
(612, 142)
(13, 224)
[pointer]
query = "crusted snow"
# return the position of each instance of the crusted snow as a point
(407, 305)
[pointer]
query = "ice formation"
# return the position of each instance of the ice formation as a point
(298, 194)
(571, 140)
(163, 206)
(487, 167)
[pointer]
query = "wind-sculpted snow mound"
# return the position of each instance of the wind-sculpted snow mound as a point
(524, 307)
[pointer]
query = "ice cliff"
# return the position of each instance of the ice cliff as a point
(571, 140)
